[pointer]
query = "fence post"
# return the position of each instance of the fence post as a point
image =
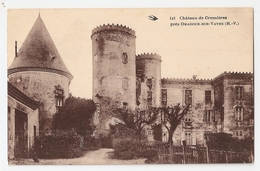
(184, 151)
(231, 156)
(207, 152)
(226, 156)
(197, 159)
(171, 152)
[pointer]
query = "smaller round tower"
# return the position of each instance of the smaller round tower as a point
(148, 73)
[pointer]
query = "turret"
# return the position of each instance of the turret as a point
(114, 79)
(148, 71)
(39, 71)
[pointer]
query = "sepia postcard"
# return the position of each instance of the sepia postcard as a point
(130, 86)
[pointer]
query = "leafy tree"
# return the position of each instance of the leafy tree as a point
(76, 114)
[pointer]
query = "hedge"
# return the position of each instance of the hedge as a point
(59, 145)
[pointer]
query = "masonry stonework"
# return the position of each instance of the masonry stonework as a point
(41, 86)
(23, 125)
(39, 72)
(148, 73)
(113, 54)
(123, 79)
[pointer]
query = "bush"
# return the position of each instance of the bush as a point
(148, 153)
(91, 143)
(125, 149)
(106, 142)
(60, 145)
(224, 141)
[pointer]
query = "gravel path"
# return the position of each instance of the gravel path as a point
(100, 156)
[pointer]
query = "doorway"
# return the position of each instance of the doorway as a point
(21, 134)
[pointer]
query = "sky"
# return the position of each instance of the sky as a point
(205, 51)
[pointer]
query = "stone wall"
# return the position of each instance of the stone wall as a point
(114, 77)
(41, 86)
(148, 69)
(33, 120)
(197, 126)
(231, 102)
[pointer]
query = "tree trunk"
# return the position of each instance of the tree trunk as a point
(170, 137)
(171, 131)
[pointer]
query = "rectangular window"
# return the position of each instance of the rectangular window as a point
(239, 133)
(207, 97)
(239, 113)
(187, 117)
(125, 83)
(139, 73)
(188, 97)
(210, 116)
(59, 102)
(149, 132)
(149, 98)
(124, 58)
(149, 82)
(149, 94)
(164, 97)
(239, 92)
(188, 138)
(97, 107)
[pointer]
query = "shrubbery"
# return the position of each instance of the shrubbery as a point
(224, 141)
(60, 145)
(106, 141)
(125, 149)
(91, 143)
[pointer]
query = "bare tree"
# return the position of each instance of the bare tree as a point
(171, 118)
(138, 119)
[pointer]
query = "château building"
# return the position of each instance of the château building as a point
(38, 84)
(123, 78)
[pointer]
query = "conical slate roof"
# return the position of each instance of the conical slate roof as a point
(39, 53)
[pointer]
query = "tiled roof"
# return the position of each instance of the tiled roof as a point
(21, 97)
(39, 52)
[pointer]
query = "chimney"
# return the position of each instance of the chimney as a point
(15, 48)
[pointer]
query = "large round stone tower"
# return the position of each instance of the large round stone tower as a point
(148, 72)
(114, 79)
(39, 72)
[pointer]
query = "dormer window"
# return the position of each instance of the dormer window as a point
(59, 96)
